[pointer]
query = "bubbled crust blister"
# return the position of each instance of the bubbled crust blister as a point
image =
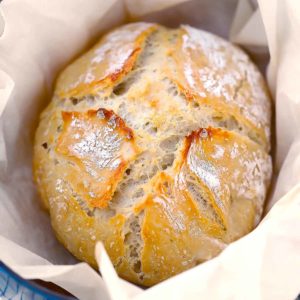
(155, 143)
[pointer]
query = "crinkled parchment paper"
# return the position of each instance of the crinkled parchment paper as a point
(39, 37)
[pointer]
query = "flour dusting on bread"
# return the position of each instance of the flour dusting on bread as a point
(156, 143)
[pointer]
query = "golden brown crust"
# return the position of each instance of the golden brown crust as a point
(99, 147)
(192, 209)
(212, 72)
(106, 63)
(170, 232)
(224, 166)
(150, 146)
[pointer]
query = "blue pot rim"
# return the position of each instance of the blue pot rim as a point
(42, 291)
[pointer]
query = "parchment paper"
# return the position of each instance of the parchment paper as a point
(38, 38)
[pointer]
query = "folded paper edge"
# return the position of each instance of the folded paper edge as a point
(2, 23)
(135, 9)
(118, 288)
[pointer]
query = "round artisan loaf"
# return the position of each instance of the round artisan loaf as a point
(156, 143)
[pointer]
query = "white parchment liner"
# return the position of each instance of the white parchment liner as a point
(39, 37)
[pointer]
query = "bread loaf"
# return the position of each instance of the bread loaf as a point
(156, 143)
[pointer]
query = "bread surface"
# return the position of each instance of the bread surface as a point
(156, 142)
